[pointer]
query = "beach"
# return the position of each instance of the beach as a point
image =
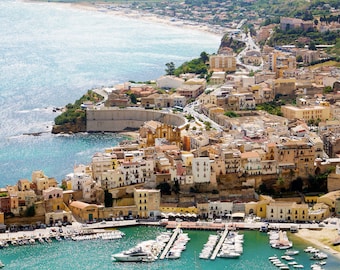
(323, 239)
(114, 9)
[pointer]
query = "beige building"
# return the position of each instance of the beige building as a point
(292, 211)
(285, 87)
(169, 82)
(42, 182)
(85, 211)
(295, 158)
(222, 62)
(330, 199)
(147, 202)
(306, 112)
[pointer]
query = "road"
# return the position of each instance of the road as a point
(200, 117)
(250, 46)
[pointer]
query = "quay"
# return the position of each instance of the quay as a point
(171, 241)
(219, 244)
(196, 225)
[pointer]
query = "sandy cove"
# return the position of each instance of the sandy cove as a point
(322, 239)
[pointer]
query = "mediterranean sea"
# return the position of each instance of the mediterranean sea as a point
(51, 54)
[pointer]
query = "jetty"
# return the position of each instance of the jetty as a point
(219, 244)
(171, 241)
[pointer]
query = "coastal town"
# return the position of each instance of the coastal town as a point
(254, 136)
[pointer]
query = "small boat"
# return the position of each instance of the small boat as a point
(173, 255)
(31, 241)
(58, 238)
(291, 252)
(48, 240)
(292, 263)
(319, 256)
(287, 257)
(284, 267)
(229, 255)
(298, 266)
(2, 264)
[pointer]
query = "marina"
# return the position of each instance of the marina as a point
(84, 250)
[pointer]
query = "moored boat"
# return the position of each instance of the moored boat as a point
(291, 252)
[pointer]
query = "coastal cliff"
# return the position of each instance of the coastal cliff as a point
(79, 125)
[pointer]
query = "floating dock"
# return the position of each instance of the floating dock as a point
(169, 244)
(219, 244)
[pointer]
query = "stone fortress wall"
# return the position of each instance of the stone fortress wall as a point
(115, 119)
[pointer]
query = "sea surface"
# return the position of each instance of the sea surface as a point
(51, 54)
(96, 254)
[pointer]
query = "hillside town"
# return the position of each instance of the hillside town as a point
(227, 158)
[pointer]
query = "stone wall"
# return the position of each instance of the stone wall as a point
(114, 119)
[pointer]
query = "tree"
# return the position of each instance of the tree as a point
(300, 44)
(204, 57)
(165, 188)
(108, 201)
(327, 89)
(170, 68)
(133, 98)
(176, 187)
(299, 59)
(30, 211)
(312, 46)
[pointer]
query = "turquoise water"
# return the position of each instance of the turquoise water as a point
(50, 54)
(96, 254)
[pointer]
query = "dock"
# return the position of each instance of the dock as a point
(219, 244)
(169, 244)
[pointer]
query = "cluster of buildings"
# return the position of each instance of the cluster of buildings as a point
(208, 173)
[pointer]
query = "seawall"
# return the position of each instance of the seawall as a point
(116, 120)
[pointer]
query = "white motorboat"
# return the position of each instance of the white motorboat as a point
(136, 254)
(2, 264)
(291, 252)
(229, 255)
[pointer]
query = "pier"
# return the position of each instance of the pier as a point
(219, 244)
(169, 244)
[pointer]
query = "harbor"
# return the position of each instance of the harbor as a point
(134, 235)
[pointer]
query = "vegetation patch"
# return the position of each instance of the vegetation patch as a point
(74, 111)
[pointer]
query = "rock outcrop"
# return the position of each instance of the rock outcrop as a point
(78, 126)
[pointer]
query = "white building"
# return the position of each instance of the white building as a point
(201, 169)
(220, 209)
(77, 180)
